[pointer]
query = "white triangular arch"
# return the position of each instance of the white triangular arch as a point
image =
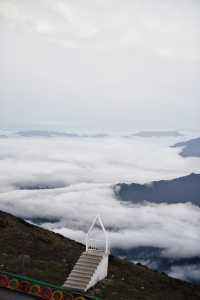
(93, 244)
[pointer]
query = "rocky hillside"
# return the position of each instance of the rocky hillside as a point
(44, 255)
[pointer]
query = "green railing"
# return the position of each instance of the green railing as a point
(40, 289)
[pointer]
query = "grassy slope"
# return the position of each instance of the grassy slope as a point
(44, 255)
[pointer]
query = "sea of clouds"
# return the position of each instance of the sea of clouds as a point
(63, 183)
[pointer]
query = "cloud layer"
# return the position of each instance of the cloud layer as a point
(188, 272)
(71, 180)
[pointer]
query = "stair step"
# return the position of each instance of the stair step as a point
(95, 253)
(92, 255)
(85, 269)
(89, 259)
(82, 272)
(78, 281)
(80, 275)
(86, 265)
(88, 262)
(75, 286)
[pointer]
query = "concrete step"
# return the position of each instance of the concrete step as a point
(85, 258)
(77, 277)
(81, 273)
(90, 259)
(77, 280)
(86, 265)
(83, 270)
(92, 254)
(81, 281)
(75, 286)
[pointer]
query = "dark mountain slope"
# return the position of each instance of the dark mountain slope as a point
(44, 255)
(179, 190)
(190, 148)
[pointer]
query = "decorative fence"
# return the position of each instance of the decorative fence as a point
(39, 289)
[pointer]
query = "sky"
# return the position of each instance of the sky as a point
(100, 64)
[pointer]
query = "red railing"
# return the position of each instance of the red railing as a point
(39, 289)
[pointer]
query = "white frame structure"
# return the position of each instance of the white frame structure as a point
(96, 244)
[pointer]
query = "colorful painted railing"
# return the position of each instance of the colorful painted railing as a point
(40, 289)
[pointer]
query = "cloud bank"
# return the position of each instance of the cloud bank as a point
(71, 180)
(188, 272)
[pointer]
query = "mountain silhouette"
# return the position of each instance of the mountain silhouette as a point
(180, 190)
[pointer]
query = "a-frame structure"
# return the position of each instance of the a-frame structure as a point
(92, 266)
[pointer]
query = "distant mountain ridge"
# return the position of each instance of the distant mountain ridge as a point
(52, 134)
(49, 133)
(180, 190)
(158, 133)
(190, 148)
(44, 133)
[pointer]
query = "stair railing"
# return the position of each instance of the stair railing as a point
(97, 244)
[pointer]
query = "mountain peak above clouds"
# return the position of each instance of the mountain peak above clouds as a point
(179, 190)
(190, 148)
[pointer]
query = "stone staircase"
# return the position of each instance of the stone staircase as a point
(87, 271)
